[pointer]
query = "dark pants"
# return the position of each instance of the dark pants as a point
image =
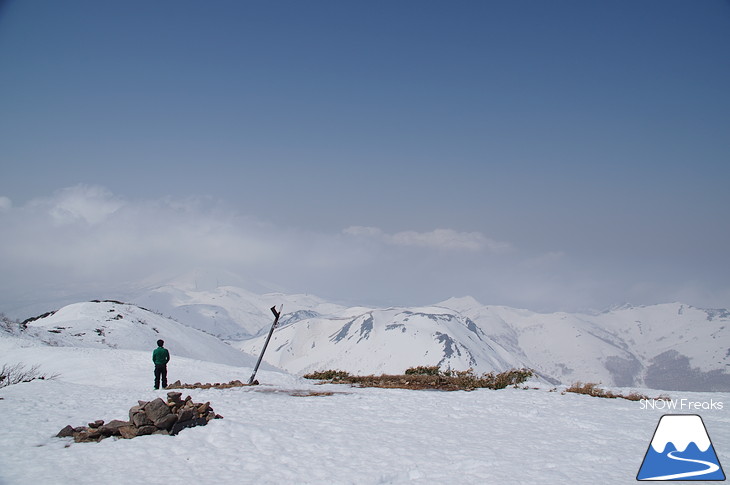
(160, 371)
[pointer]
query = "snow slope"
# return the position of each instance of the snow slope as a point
(669, 346)
(375, 341)
(356, 436)
(675, 343)
(118, 325)
(227, 312)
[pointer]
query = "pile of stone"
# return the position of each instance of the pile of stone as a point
(208, 385)
(153, 417)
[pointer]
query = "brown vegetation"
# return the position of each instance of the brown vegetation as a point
(420, 378)
(592, 389)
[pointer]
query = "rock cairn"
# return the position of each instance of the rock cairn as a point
(153, 417)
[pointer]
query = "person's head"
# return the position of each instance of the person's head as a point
(160, 343)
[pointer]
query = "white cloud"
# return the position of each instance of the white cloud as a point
(437, 239)
(5, 203)
(88, 231)
(88, 238)
(89, 203)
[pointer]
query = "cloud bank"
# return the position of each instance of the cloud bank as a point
(447, 239)
(85, 242)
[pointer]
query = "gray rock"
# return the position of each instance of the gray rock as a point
(134, 410)
(140, 419)
(92, 434)
(156, 409)
(180, 425)
(116, 423)
(106, 432)
(128, 432)
(166, 422)
(112, 427)
(185, 414)
(84, 437)
(145, 430)
(66, 432)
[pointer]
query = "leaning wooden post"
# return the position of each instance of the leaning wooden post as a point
(276, 320)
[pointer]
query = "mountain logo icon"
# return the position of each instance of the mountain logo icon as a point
(680, 450)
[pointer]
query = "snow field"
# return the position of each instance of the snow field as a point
(356, 436)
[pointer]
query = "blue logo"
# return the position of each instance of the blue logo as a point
(681, 450)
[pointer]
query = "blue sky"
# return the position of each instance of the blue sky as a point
(554, 155)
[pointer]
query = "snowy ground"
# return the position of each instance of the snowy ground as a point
(358, 436)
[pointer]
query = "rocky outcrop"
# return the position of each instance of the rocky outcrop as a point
(145, 418)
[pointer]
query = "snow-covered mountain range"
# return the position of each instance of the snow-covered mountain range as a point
(376, 341)
(228, 312)
(669, 346)
(117, 325)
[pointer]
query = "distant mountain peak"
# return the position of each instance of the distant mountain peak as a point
(461, 303)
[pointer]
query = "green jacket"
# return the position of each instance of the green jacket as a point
(160, 356)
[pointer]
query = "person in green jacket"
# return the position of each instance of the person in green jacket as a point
(160, 356)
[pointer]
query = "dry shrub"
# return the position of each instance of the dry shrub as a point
(423, 370)
(592, 389)
(17, 373)
(425, 377)
(328, 375)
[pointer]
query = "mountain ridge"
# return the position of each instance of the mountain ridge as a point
(670, 346)
(114, 324)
